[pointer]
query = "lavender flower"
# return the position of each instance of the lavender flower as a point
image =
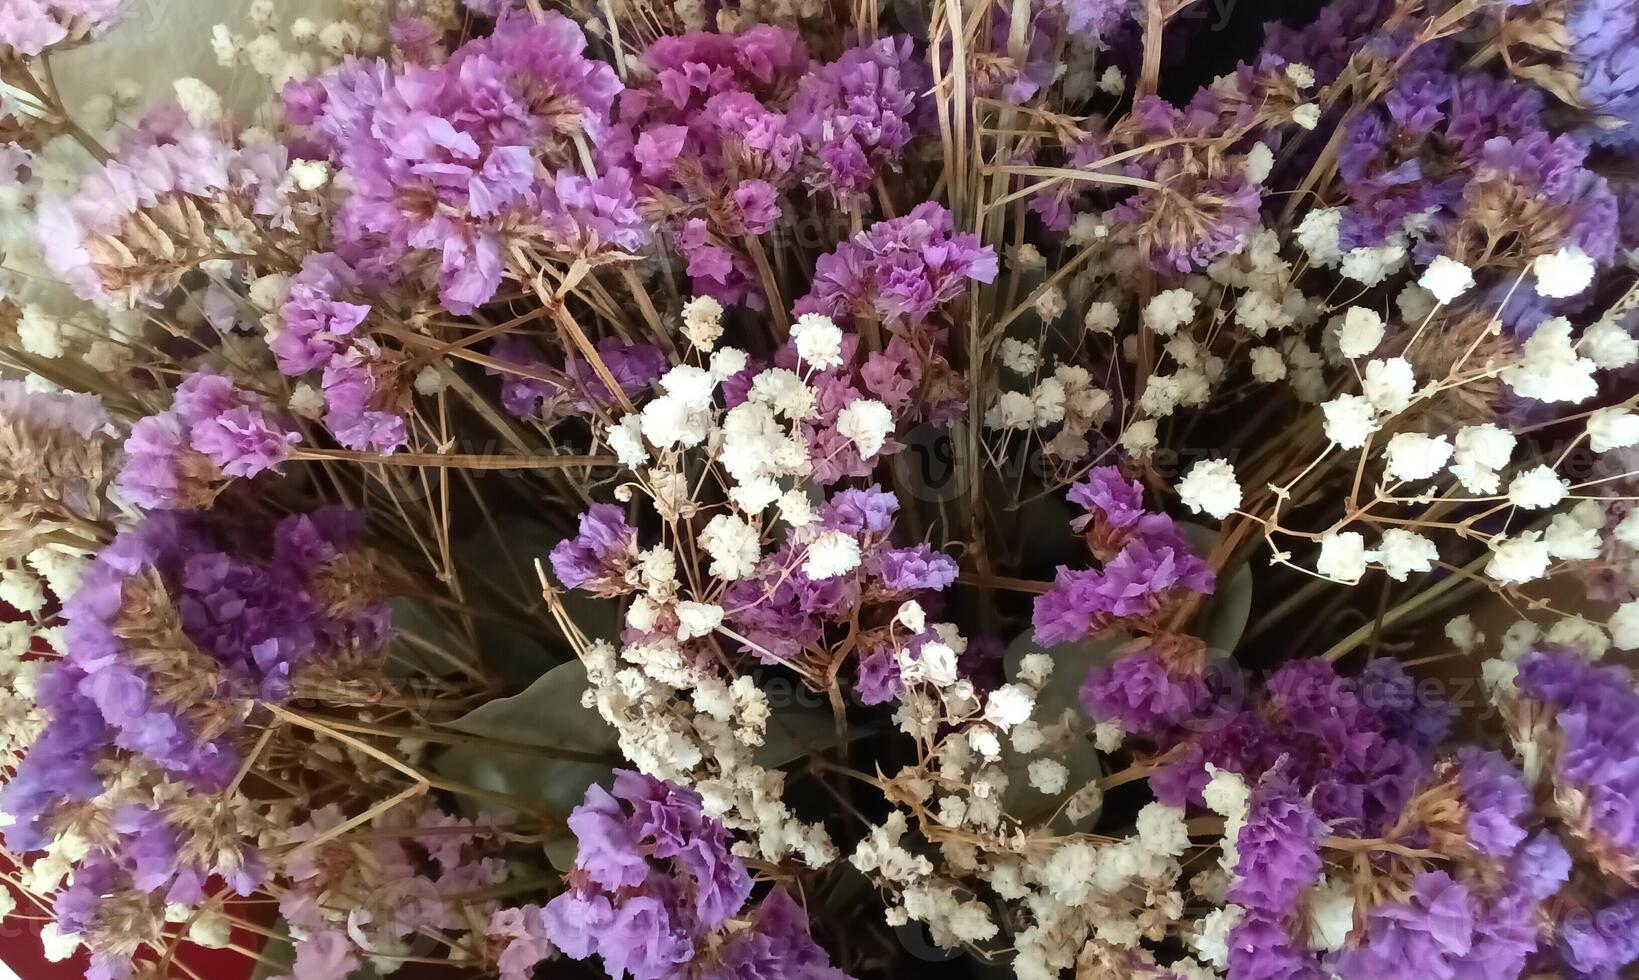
(596, 559)
(856, 114)
(213, 430)
(899, 270)
(657, 893)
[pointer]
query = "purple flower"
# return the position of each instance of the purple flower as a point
(1495, 798)
(1106, 495)
(524, 929)
(1278, 849)
(1261, 947)
(1596, 712)
(856, 116)
(1599, 942)
(596, 559)
(1140, 694)
(912, 569)
(1443, 929)
(878, 681)
(899, 270)
(213, 430)
(776, 946)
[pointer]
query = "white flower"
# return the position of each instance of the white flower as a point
(785, 391)
(911, 616)
(831, 554)
(1101, 317)
(1402, 552)
(867, 423)
(1140, 438)
(430, 381)
(1009, 705)
(1161, 829)
(1349, 420)
(1257, 163)
(307, 401)
(1566, 272)
(1520, 559)
(1612, 428)
(1360, 332)
(1212, 940)
(1047, 402)
(734, 546)
(703, 322)
(626, 439)
(1389, 384)
(1020, 356)
(1415, 456)
(1169, 310)
(697, 619)
(1317, 233)
(1331, 915)
(1306, 115)
(41, 333)
(727, 361)
(309, 175)
(58, 945)
(1301, 75)
(1568, 539)
(1012, 410)
(818, 340)
(796, 509)
(1035, 669)
(1627, 530)
(198, 100)
(1461, 632)
(1446, 278)
(1576, 633)
(1343, 556)
(1537, 488)
(1260, 313)
(1550, 370)
(1210, 488)
(1624, 625)
(1482, 450)
(1267, 364)
(1609, 345)
(1048, 776)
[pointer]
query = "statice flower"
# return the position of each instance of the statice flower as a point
(1278, 848)
(1603, 57)
(581, 390)
(1601, 941)
(1108, 498)
(1444, 929)
(177, 631)
(183, 457)
(57, 449)
(786, 607)
(29, 27)
(442, 161)
(899, 270)
(1454, 157)
(1141, 694)
(1595, 711)
(657, 893)
(856, 116)
(1357, 758)
(597, 558)
(1152, 565)
(713, 145)
(1495, 798)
